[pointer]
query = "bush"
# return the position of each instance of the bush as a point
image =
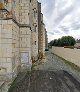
(67, 41)
(40, 55)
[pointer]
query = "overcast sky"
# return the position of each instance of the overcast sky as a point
(61, 17)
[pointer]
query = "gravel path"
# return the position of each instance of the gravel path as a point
(49, 75)
(54, 63)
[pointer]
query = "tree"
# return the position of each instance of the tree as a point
(59, 42)
(67, 41)
(53, 42)
(64, 41)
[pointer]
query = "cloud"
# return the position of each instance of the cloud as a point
(47, 6)
(75, 26)
(51, 33)
(64, 29)
(62, 17)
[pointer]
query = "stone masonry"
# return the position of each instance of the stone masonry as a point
(34, 28)
(20, 28)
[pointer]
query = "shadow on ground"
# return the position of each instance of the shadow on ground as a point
(45, 81)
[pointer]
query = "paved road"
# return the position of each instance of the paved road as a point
(51, 76)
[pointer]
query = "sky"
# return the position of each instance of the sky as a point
(61, 18)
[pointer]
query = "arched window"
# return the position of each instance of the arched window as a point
(30, 0)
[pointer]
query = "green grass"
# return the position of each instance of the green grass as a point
(73, 66)
(12, 86)
(36, 64)
(17, 81)
(39, 63)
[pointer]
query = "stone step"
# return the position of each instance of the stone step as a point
(4, 86)
(1, 84)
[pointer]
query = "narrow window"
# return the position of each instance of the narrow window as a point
(34, 14)
(35, 28)
(35, 42)
(30, 1)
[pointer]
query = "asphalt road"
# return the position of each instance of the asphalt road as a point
(51, 76)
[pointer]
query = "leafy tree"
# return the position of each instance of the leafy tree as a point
(59, 42)
(67, 41)
(55, 42)
(64, 41)
(51, 43)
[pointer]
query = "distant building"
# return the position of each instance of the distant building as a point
(77, 44)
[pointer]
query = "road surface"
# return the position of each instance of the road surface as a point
(54, 75)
